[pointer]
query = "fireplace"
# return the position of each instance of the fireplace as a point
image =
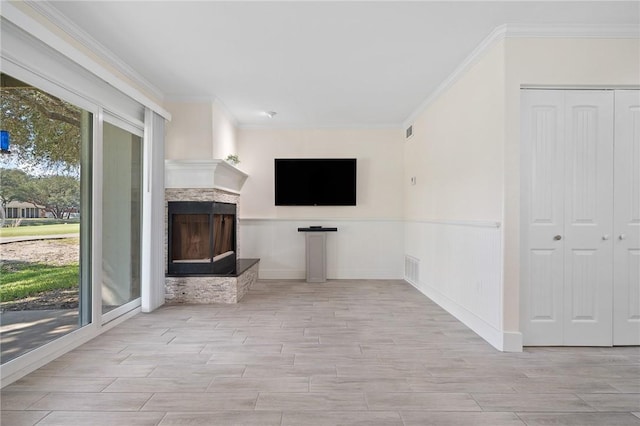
(202, 234)
(201, 238)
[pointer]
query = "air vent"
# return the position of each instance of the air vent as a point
(411, 269)
(409, 132)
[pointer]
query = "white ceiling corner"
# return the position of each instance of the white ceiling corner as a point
(318, 64)
(529, 31)
(84, 38)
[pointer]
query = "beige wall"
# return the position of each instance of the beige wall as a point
(379, 154)
(456, 152)
(223, 131)
(465, 152)
(554, 63)
(199, 130)
(457, 156)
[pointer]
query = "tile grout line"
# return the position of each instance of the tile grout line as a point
(520, 418)
(44, 417)
(166, 413)
(476, 401)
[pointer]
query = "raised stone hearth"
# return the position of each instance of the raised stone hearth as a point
(213, 289)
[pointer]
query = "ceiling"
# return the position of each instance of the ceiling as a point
(320, 64)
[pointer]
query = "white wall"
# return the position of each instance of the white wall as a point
(584, 63)
(361, 249)
(368, 243)
(460, 268)
(454, 211)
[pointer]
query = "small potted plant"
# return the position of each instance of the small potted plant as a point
(232, 159)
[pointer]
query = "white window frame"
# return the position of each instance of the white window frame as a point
(24, 65)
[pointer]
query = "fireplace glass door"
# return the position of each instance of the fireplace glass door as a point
(223, 235)
(202, 238)
(191, 238)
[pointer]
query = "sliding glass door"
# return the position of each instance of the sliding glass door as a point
(45, 218)
(121, 218)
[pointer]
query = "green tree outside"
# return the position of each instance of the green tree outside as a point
(45, 130)
(60, 195)
(13, 183)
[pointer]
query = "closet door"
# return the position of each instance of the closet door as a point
(626, 235)
(588, 218)
(542, 261)
(567, 214)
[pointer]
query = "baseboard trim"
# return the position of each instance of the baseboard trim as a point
(504, 341)
(512, 341)
(342, 274)
(281, 274)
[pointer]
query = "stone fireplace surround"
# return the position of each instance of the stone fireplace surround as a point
(200, 180)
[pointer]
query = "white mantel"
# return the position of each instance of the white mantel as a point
(203, 174)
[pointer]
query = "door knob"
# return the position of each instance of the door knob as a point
(605, 237)
(622, 237)
(557, 237)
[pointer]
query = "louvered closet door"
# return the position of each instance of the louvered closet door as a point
(626, 235)
(567, 215)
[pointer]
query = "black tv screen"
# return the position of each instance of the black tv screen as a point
(315, 181)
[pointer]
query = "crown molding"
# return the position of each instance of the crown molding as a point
(505, 31)
(205, 99)
(15, 13)
(350, 126)
(53, 15)
(572, 31)
(226, 111)
(190, 99)
(494, 37)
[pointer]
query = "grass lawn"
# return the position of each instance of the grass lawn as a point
(21, 280)
(21, 231)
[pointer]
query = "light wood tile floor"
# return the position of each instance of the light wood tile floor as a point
(345, 352)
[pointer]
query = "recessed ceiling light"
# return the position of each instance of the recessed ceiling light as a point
(271, 114)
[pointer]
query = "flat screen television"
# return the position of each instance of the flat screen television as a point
(315, 181)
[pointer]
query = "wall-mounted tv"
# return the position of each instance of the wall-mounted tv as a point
(315, 181)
